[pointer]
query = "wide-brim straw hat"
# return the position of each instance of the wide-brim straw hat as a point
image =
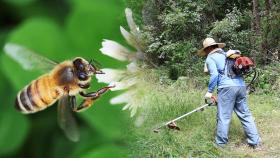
(207, 43)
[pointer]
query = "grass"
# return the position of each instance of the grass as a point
(163, 102)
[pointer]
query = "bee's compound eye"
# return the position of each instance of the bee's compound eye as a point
(82, 76)
(78, 63)
(81, 66)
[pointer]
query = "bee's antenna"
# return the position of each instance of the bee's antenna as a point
(96, 63)
(90, 61)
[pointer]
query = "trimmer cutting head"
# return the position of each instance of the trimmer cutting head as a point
(171, 125)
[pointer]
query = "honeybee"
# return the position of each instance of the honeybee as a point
(61, 83)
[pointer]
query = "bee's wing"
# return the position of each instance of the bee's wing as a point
(28, 59)
(66, 119)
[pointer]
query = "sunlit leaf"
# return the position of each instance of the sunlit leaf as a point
(108, 119)
(13, 130)
(42, 36)
(92, 21)
(20, 2)
(13, 125)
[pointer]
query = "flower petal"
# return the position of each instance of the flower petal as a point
(130, 99)
(129, 38)
(133, 111)
(119, 86)
(126, 106)
(123, 98)
(111, 75)
(133, 27)
(132, 67)
(123, 84)
(139, 121)
(115, 50)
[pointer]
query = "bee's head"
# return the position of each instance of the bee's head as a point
(85, 69)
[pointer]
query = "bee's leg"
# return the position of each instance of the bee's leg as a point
(86, 103)
(73, 102)
(90, 97)
(84, 86)
(95, 95)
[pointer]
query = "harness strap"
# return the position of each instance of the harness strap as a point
(222, 72)
(226, 65)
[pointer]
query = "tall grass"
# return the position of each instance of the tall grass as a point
(163, 102)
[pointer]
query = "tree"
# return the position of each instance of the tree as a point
(256, 17)
(266, 49)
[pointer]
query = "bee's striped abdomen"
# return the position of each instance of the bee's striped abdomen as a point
(25, 102)
(37, 96)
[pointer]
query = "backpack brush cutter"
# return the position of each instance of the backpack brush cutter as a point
(172, 125)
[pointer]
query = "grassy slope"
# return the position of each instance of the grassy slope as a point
(196, 137)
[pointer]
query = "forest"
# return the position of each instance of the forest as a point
(148, 50)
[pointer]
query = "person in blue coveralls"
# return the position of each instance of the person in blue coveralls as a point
(231, 94)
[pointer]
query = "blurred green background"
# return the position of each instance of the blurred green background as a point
(59, 30)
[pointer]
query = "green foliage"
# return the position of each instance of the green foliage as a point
(230, 30)
(13, 125)
(173, 31)
(10, 135)
(181, 20)
(42, 36)
(233, 30)
(20, 2)
(269, 79)
(137, 7)
(270, 32)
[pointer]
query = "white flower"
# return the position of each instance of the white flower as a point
(132, 67)
(124, 79)
(125, 84)
(127, 98)
(130, 39)
(115, 50)
(123, 98)
(133, 27)
(139, 120)
(132, 106)
(110, 75)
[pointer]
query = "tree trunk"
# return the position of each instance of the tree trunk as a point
(266, 50)
(256, 22)
(256, 17)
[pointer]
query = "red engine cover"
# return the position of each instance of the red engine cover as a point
(244, 61)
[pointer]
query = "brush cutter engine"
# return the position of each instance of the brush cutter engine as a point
(237, 65)
(243, 65)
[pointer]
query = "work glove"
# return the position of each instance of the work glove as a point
(208, 95)
(210, 99)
